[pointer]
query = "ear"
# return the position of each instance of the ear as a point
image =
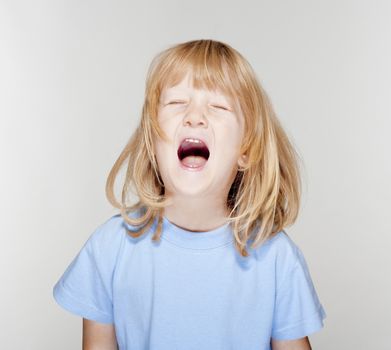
(242, 161)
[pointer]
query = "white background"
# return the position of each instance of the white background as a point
(72, 77)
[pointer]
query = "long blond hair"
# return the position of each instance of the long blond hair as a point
(265, 194)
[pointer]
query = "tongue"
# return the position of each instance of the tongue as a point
(193, 161)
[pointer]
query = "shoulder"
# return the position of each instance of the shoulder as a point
(281, 246)
(113, 231)
(108, 231)
(282, 253)
(285, 248)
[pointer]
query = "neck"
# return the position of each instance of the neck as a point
(197, 214)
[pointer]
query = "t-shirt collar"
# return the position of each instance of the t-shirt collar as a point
(181, 237)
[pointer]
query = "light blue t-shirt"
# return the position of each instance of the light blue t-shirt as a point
(191, 290)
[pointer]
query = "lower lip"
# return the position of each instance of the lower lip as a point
(198, 168)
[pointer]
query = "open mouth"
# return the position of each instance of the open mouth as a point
(193, 153)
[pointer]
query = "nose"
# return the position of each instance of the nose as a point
(195, 116)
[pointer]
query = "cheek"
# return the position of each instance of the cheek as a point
(168, 129)
(163, 148)
(228, 142)
(229, 134)
(165, 117)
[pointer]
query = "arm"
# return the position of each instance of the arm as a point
(296, 344)
(98, 336)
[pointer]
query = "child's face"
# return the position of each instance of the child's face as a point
(185, 112)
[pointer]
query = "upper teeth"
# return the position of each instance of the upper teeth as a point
(193, 140)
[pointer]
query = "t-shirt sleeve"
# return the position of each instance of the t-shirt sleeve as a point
(298, 312)
(85, 287)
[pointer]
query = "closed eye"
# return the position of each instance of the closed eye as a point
(221, 107)
(175, 102)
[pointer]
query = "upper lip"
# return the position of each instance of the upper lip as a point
(201, 138)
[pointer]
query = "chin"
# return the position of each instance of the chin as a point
(182, 188)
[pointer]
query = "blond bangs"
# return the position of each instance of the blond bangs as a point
(264, 197)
